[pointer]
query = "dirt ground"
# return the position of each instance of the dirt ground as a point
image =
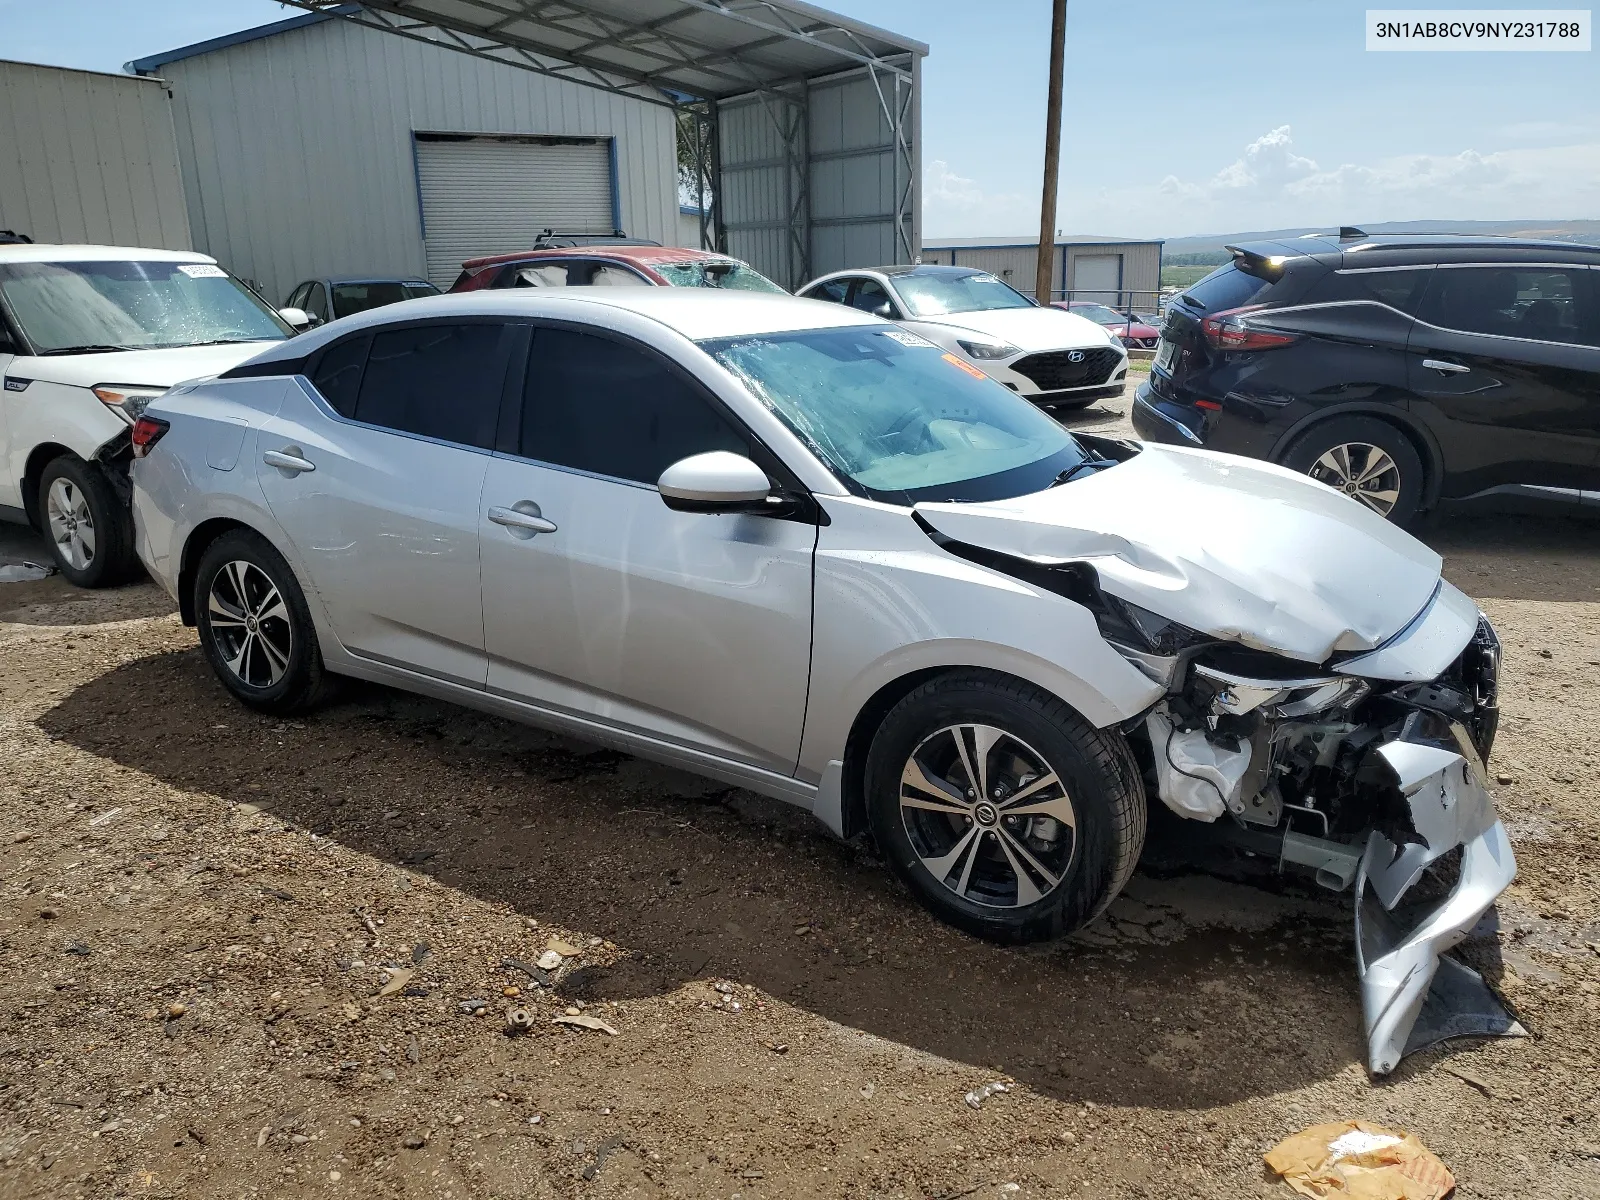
(204, 911)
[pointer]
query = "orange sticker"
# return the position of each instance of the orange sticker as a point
(967, 367)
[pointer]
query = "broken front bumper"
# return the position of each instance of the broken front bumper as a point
(1443, 782)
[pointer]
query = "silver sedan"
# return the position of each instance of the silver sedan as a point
(806, 551)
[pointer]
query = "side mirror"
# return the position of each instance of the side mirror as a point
(299, 319)
(883, 310)
(717, 482)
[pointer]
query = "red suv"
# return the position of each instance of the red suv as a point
(611, 266)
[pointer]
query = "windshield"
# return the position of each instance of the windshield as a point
(66, 306)
(899, 419)
(716, 273)
(934, 295)
(1100, 313)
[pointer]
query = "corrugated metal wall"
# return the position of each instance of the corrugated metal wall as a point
(841, 213)
(297, 148)
(86, 157)
(1141, 264)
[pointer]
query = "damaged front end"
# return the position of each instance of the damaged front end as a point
(1370, 783)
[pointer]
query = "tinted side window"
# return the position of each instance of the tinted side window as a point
(1519, 302)
(834, 289)
(440, 381)
(603, 406)
(870, 297)
(337, 374)
(297, 296)
(1226, 287)
(1397, 289)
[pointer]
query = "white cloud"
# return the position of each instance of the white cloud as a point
(1272, 185)
(953, 205)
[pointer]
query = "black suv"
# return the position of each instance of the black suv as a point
(1407, 370)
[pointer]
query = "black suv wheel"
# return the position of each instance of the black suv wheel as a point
(1367, 459)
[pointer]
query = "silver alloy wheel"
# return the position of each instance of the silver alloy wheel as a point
(988, 816)
(250, 623)
(1363, 471)
(71, 523)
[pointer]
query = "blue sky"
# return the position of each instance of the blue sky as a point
(1181, 117)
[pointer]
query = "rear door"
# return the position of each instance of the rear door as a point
(375, 469)
(693, 628)
(1505, 365)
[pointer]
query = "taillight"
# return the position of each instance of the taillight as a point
(1231, 330)
(147, 431)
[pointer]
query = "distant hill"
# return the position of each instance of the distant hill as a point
(1210, 247)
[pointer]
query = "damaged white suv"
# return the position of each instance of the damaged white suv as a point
(805, 551)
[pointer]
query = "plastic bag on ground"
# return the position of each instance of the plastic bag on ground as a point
(1361, 1160)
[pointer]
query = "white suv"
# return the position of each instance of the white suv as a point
(88, 335)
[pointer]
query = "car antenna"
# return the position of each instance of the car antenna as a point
(1349, 233)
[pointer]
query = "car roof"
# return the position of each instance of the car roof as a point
(52, 252)
(338, 279)
(1452, 244)
(637, 254)
(695, 313)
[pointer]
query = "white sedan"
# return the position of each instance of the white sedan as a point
(1054, 358)
(795, 548)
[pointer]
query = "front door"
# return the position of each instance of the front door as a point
(1505, 364)
(375, 472)
(600, 601)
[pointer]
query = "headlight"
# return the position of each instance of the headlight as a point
(987, 349)
(1114, 336)
(128, 401)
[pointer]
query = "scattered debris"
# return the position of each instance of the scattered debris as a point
(75, 947)
(277, 893)
(176, 1009)
(261, 1138)
(550, 960)
(977, 1096)
(24, 572)
(584, 1021)
(564, 949)
(602, 1152)
(414, 1141)
(724, 987)
(1471, 1080)
(777, 1047)
(398, 978)
(106, 817)
(367, 921)
(473, 1008)
(1355, 1158)
(868, 1091)
(419, 952)
(519, 1021)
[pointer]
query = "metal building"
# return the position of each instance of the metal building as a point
(407, 135)
(89, 157)
(1124, 274)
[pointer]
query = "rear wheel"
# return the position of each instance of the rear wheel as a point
(254, 626)
(90, 529)
(1367, 459)
(1002, 809)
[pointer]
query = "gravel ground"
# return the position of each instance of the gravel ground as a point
(247, 957)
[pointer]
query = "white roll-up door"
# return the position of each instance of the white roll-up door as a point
(488, 195)
(1097, 277)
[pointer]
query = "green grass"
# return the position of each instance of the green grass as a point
(1182, 277)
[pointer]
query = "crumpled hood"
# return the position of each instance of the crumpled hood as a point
(136, 368)
(1030, 329)
(1234, 548)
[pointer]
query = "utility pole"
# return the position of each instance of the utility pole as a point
(1052, 154)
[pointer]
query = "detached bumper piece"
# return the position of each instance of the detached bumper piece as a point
(1441, 777)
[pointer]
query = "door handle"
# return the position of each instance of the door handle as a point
(523, 519)
(1445, 368)
(288, 460)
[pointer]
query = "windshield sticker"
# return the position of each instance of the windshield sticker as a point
(967, 367)
(202, 271)
(906, 338)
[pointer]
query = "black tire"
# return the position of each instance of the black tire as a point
(1312, 451)
(1102, 789)
(281, 670)
(75, 498)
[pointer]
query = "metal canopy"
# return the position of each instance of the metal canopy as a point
(648, 49)
(691, 56)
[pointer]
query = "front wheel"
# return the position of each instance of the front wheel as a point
(1002, 809)
(90, 529)
(254, 626)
